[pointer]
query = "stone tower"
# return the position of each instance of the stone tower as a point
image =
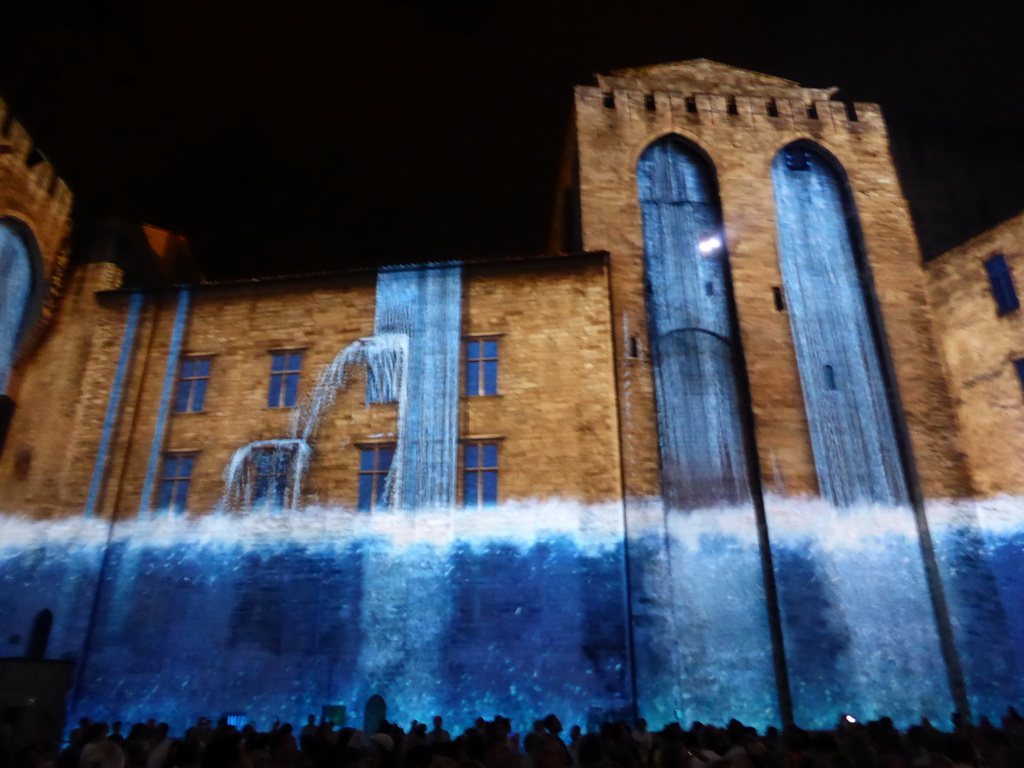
(771, 326)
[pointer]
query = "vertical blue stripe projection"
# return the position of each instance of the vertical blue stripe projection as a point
(425, 303)
(702, 450)
(15, 289)
(858, 622)
(705, 653)
(174, 350)
(848, 411)
(114, 402)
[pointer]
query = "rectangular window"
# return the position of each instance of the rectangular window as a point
(273, 475)
(481, 367)
(285, 369)
(175, 481)
(480, 474)
(193, 376)
(1001, 280)
(374, 463)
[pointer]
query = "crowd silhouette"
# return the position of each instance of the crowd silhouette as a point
(494, 744)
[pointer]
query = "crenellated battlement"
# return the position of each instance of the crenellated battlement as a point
(21, 160)
(807, 108)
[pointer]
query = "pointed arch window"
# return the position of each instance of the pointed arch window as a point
(16, 286)
(836, 330)
(703, 453)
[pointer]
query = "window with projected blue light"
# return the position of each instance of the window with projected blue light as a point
(15, 291)
(480, 474)
(481, 367)
(374, 464)
(1001, 281)
(703, 456)
(193, 378)
(285, 370)
(175, 482)
(828, 293)
(273, 474)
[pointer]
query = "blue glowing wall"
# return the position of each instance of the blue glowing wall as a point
(15, 290)
(518, 610)
(848, 411)
(696, 582)
(980, 552)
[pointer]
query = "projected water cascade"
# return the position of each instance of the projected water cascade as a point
(15, 288)
(855, 449)
(272, 607)
(702, 451)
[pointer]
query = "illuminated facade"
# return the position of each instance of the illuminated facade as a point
(703, 464)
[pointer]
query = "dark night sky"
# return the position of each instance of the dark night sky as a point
(321, 135)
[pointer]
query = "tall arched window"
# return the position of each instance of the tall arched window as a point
(688, 305)
(850, 416)
(15, 291)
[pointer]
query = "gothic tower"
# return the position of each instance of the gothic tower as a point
(779, 386)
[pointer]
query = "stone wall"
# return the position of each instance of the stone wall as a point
(554, 413)
(32, 194)
(741, 120)
(979, 347)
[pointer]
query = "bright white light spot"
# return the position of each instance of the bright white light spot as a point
(851, 719)
(709, 245)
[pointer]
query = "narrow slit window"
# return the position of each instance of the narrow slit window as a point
(830, 377)
(193, 378)
(812, 112)
(609, 100)
(780, 303)
(773, 108)
(649, 103)
(481, 367)
(709, 289)
(851, 112)
(480, 474)
(633, 347)
(374, 465)
(691, 104)
(731, 107)
(175, 482)
(1001, 280)
(285, 370)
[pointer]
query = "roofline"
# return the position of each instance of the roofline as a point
(367, 269)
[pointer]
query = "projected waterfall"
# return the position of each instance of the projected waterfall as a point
(15, 289)
(703, 461)
(412, 359)
(848, 411)
(850, 569)
(702, 451)
(425, 305)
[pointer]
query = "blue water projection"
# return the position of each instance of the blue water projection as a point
(170, 369)
(278, 615)
(522, 609)
(980, 552)
(858, 626)
(110, 419)
(855, 450)
(716, 606)
(701, 437)
(425, 305)
(15, 290)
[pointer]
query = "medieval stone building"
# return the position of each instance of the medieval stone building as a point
(729, 450)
